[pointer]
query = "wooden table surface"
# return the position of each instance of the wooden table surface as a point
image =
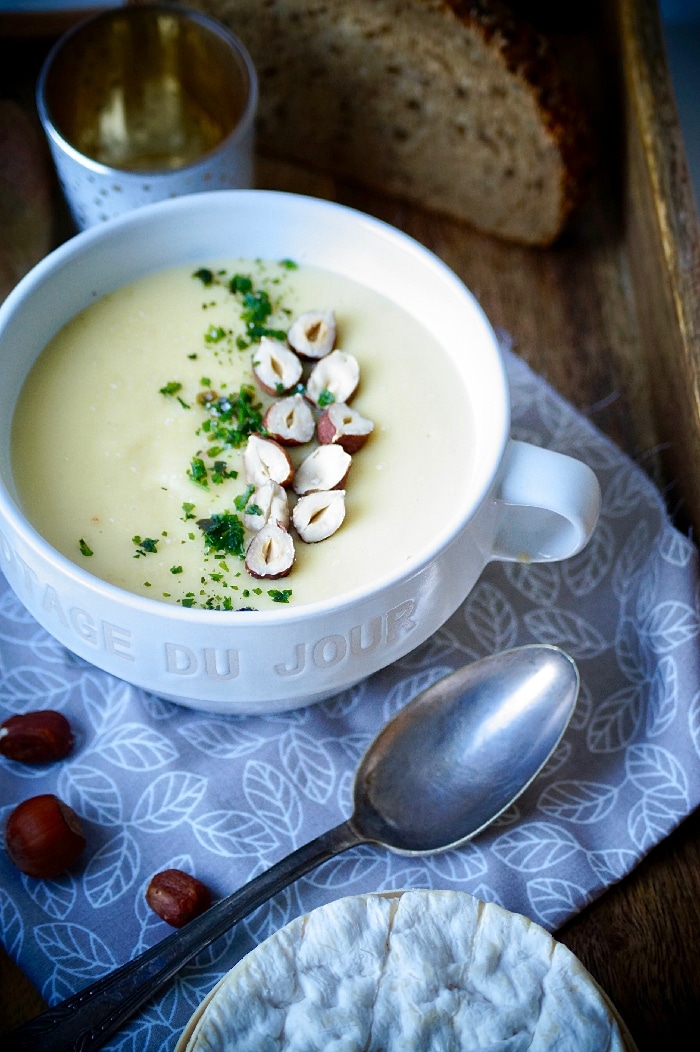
(574, 313)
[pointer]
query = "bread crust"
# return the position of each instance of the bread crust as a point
(455, 105)
(528, 54)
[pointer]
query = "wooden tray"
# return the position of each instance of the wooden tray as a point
(611, 317)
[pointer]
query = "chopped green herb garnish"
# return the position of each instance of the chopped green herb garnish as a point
(278, 595)
(234, 417)
(257, 308)
(144, 546)
(204, 275)
(242, 499)
(188, 509)
(214, 334)
(85, 549)
(256, 311)
(198, 471)
(171, 388)
(325, 398)
(240, 283)
(221, 472)
(223, 533)
(176, 569)
(289, 264)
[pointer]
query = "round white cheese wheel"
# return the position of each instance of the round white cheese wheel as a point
(436, 971)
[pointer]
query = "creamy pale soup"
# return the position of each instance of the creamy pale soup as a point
(118, 459)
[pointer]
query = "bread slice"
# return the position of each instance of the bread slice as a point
(452, 104)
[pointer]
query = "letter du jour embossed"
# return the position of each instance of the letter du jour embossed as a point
(324, 653)
(212, 662)
(330, 650)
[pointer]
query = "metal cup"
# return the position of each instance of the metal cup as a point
(146, 102)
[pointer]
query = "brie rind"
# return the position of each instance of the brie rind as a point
(438, 971)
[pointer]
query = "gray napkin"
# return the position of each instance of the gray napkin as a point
(158, 785)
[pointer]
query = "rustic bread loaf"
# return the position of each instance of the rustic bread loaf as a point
(452, 104)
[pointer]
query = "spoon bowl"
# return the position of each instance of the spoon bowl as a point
(463, 750)
(447, 764)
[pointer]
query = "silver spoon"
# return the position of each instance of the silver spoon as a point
(439, 772)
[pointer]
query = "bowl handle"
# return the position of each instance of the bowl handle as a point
(547, 505)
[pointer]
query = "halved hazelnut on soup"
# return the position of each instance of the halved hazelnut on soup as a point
(276, 368)
(326, 468)
(265, 460)
(270, 553)
(339, 423)
(333, 379)
(318, 515)
(290, 421)
(267, 503)
(313, 333)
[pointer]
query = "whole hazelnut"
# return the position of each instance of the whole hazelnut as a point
(43, 836)
(177, 897)
(36, 737)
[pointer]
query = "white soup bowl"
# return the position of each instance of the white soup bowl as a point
(518, 502)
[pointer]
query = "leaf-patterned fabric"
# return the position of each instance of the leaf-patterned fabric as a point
(158, 785)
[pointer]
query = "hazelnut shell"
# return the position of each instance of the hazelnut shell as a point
(42, 736)
(177, 897)
(44, 836)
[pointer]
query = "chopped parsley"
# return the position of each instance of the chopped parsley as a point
(171, 388)
(278, 595)
(240, 283)
(242, 499)
(188, 510)
(215, 334)
(233, 417)
(197, 471)
(85, 548)
(205, 276)
(221, 472)
(223, 532)
(176, 569)
(325, 398)
(256, 310)
(144, 546)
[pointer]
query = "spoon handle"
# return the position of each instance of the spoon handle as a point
(89, 1018)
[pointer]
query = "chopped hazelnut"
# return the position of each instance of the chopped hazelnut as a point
(325, 468)
(318, 515)
(333, 379)
(313, 333)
